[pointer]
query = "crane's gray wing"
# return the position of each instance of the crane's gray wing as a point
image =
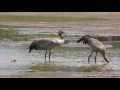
(45, 44)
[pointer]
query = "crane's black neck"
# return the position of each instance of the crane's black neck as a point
(61, 36)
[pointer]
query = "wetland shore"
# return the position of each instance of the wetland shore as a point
(96, 24)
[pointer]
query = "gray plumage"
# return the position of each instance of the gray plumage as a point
(95, 45)
(47, 44)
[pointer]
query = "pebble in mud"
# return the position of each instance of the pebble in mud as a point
(14, 60)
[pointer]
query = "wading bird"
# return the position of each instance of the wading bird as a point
(47, 44)
(95, 45)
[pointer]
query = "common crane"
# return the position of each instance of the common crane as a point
(47, 44)
(95, 45)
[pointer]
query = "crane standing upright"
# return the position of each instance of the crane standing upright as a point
(47, 44)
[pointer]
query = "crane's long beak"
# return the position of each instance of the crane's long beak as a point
(64, 34)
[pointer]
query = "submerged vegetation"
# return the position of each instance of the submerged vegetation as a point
(50, 67)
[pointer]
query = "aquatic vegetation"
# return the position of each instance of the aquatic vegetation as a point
(52, 67)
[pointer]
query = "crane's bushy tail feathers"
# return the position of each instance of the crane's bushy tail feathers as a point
(32, 46)
(79, 40)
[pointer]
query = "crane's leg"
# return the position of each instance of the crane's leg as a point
(95, 57)
(49, 54)
(90, 56)
(104, 55)
(45, 55)
(106, 60)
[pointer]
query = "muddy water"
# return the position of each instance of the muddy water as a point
(68, 57)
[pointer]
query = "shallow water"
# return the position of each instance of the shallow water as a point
(68, 57)
(62, 59)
